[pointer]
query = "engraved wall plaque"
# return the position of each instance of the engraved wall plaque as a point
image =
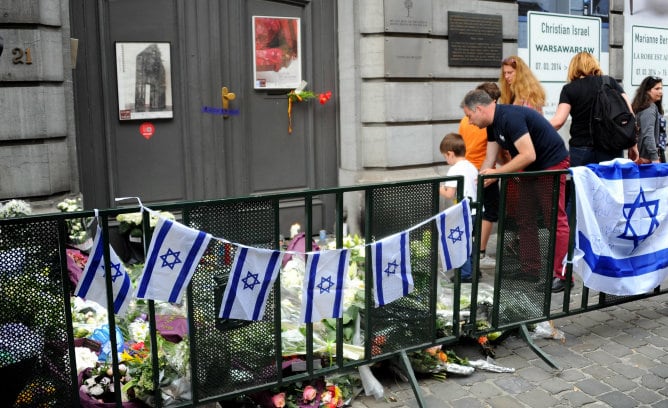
(407, 16)
(408, 57)
(474, 40)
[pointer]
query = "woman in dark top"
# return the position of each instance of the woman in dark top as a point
(649, 112)
(576, 100)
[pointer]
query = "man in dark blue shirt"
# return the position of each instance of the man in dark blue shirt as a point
(533, 145)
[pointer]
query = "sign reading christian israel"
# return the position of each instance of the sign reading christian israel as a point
(553, 39)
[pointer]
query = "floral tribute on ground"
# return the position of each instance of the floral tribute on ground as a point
(91, 331)
(135, 366)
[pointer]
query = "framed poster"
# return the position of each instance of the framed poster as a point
(277, 55)
(144, 76)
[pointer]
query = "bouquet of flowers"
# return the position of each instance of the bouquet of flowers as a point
(429, 361)
(292, 277)
(76, 227)
(130, 223)
(15, 208)
(300, 94)
(134, 348)
(325, 392)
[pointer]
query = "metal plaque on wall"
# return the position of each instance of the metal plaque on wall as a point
(407, 16)
(408, 57)
(474, 40)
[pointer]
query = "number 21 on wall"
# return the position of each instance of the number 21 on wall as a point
(21, 56)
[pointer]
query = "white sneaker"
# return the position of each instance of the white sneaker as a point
(487, 262)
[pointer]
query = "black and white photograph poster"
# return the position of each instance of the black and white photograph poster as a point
(144, 78)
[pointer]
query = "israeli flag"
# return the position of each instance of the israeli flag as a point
(173, 255)
(391, 260)
(93, 284)
(254, 271)
(455, 235)
(322, 294)
(621, 241)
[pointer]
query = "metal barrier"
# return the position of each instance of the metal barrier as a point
(230, 358)
(528, 205)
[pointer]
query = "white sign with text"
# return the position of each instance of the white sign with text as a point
(649, 54)
(553, 39)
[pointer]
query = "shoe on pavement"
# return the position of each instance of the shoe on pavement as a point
(558, 285)
(487, 262)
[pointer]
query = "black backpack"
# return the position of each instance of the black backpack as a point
(612, 125)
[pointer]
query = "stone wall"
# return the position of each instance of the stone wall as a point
(393, 115)
(398, 95)
(37, 145)
(402, 110)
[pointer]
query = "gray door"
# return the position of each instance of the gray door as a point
(201, 151)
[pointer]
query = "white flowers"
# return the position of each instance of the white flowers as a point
(138, 330)
(69, 205)
(76, 227)
(15, 208)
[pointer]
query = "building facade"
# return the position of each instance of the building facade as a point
(37, 130)
(210, 124)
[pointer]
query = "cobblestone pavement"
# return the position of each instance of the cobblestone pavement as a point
(613, 357)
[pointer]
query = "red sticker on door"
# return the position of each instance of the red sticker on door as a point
(147, 129)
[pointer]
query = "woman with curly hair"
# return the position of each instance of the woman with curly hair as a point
(576, 100)
(519, 86)
(649, 112)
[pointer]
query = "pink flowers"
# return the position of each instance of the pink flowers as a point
(309, 393)
(278, 400)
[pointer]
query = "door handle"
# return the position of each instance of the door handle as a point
(227, 96)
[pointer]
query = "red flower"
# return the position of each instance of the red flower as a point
(376, 344)
(332, 397)
(78, 258)
(324, 97)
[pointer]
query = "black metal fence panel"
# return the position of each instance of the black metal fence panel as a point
(227, 358)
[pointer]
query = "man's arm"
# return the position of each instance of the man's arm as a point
(490, 156)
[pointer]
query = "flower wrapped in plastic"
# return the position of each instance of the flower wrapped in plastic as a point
(324, 332)
(135, 355)
(130, 223)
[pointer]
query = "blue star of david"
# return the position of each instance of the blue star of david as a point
(325, 284)
(251, 280)
(175, 258)
(455, 234)
(640, 203)
(117, 273)
(391, 268)
(116, 268)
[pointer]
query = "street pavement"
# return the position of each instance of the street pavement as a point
(611, 357)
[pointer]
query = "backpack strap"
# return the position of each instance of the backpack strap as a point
(599, 88)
